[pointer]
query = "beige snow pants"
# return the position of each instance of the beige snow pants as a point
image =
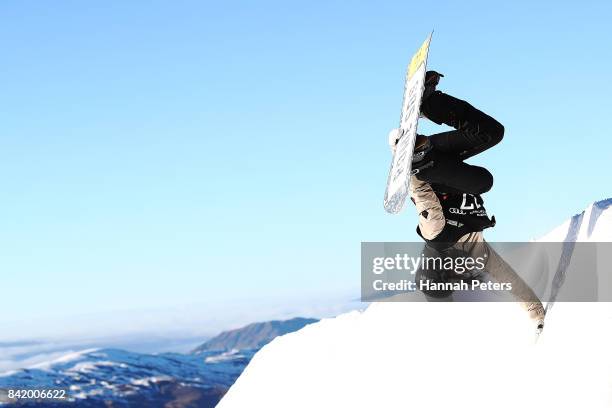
(431, 224)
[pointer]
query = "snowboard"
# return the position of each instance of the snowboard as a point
(398, 182)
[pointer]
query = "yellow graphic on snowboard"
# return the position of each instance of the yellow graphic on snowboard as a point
(418, 58)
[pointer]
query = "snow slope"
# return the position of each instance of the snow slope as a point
(443, 354)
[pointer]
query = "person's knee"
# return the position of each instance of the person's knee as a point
(496, 133)
(486, 181)
(482, 180)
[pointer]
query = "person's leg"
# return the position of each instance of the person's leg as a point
(475, 130)
(457, 176)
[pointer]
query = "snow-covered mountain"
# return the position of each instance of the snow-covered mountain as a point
(123, 377)
(443, 354)
(253, 336)
(114, 377)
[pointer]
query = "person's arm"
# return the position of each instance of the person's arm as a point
(475, 245)
(429, 209)
(502, 272)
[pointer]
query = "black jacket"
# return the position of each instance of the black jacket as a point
(464, 213)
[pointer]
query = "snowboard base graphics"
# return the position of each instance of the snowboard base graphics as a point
(398, 182)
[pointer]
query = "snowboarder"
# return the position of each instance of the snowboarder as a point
(447, 191)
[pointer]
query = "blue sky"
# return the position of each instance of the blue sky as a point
(194, 157)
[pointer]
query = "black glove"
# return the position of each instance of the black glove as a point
(423, 155)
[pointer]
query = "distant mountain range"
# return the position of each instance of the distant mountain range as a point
(253, 336)
(118, 378)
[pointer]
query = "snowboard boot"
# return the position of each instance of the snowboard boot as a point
(432, 79)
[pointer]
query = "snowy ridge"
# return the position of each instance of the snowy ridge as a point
(592, 225)
(443, 354)
(97, 375)
(253, 336)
